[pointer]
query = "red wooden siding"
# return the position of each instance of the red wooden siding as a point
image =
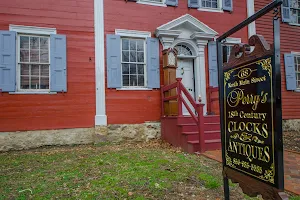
(140, 106)
(289, 41)
(73, 109)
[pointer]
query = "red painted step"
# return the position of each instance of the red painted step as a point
(194, 146)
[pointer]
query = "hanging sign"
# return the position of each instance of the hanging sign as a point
(251, 140)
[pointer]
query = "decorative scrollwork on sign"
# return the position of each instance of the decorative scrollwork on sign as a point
(235, 136)
(227, 75)
(266, 65)
(229, 161)
(258, 141)
(269, 174)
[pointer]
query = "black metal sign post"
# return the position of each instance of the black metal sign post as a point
(250, 104)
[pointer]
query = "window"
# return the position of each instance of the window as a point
(209, 4)
(297, 70)
(295, 11)
(226, 52)
(33, 62)
(183, 50)
(133, 62)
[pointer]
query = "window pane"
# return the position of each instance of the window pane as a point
(132, 44)
(34, 43)
(24, 42)
(125, 56)
(34, 55)
(133, 80)
(298, 59)
(44, 70)
(44, 43)
(35, 83)
(44, 56)
(141, 81)
(125, 68)
(214, 4)
(132, 68)
(140, 45)
(140, 69)
(24, 56)
(132, 56)
(125, 44)
(24, 69)
(140, 56)
(35, 70)
(203, 4)
(24, 82)
(44, 83)
(208, 4)
(125, 80)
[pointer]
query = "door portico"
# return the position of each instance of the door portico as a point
(189, 31)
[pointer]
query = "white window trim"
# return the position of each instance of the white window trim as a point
(132, 33)
(298, 54)
(152, 3)
(232, 41)
(294, 24)
(135, 34)
(32, 30)
(219, 9)
(33, 92)
(39, 31)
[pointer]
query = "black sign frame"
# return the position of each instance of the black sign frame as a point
(275, 191)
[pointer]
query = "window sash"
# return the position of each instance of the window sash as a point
(211, 3)
(135, 63)
(31, 63)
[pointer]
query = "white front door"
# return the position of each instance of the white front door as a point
(186, 72)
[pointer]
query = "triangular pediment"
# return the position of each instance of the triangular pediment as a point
(187, 22)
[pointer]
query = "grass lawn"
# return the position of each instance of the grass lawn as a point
(111, 171)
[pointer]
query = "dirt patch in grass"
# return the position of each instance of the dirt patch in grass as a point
(111, 171)
(291, 140)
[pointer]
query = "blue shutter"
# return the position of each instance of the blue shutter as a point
(113, 61)
(290, 71)
(172, 2)
(227, 5)
(286, 11)
(193, 3)
(58, 63)
(7, 61)
(153, 76)
(212, 62)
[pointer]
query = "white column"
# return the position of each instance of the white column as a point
(100, 118)
(250, 12)
(200, 74)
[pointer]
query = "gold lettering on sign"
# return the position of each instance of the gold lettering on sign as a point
(249, 128)
(237, 96)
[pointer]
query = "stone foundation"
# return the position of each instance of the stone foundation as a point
(33, 139)
(111, 133)
(291, 125)
(127, 132)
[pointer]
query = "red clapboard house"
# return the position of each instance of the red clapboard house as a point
(72, 70)
(136, 33)
(47, 72)
(290, 56)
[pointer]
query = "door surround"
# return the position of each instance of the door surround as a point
(193, 33)
(198, 56)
